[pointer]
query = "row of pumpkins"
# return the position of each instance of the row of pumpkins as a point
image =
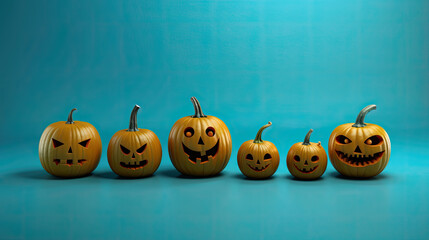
(200, 146)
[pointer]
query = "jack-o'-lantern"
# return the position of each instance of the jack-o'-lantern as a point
(134, 152)
(199, 145)
(258, 159)
(359, 150)
(70, 148)
(307, 160)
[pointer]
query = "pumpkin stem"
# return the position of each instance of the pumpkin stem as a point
(258, 138)
(70, 118)
(307, 138)
(198, 111)
(133, 120)
(362, 114)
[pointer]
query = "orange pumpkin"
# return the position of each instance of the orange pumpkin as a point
(307, 160)
(359, 150)
(258, 159)
(70, 148)
(199, 145)
(134, 152)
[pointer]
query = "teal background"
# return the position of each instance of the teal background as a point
(299, 64)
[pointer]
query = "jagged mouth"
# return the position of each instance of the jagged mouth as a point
(193, 156)
(259, 169)
(135, 165)
(304, 170)
(69, 162)
(359, 160)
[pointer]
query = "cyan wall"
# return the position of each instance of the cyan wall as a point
(300, 64)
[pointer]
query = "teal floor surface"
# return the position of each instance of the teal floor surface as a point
(167, 205)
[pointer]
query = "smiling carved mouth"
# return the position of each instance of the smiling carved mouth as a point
(259, 169)
(359, 160)
(193, 156)
(135, 166)
(304, 170)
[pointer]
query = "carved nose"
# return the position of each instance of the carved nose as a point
(257, 162)
(305, 163)
(70, 150)
(200, 141)
(133, 156)
(357, 150)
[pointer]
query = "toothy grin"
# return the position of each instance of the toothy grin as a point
(135, 166)
(69, 162)
(258, 169)
(359, 160)
(304, 170)
(194, 156)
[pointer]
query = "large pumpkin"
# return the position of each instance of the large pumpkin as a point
(359, 150)
(70, 148)
(307, 160)
(199, 145)
(134, 152)
(258, 159)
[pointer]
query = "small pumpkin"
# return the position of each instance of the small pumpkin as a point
(307, 160)
(199, 145)
(258, 159)
(359, 150)
(134, 152)
(70, 148)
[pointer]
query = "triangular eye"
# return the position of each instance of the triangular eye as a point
(141, 149)
(85, 143)
(125, 150)
(56, 143)
(249, 157)
(267, 156)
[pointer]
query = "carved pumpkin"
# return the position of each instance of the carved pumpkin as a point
(307, 160)
(359, 150)
(199, 145)
(134, 152)
(70, 149)
(258, 159)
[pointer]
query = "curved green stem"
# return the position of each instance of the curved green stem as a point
(361, 117)
(198, 111)
(307, 138)
(133, 119)
(258, 138)
(70, 118)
